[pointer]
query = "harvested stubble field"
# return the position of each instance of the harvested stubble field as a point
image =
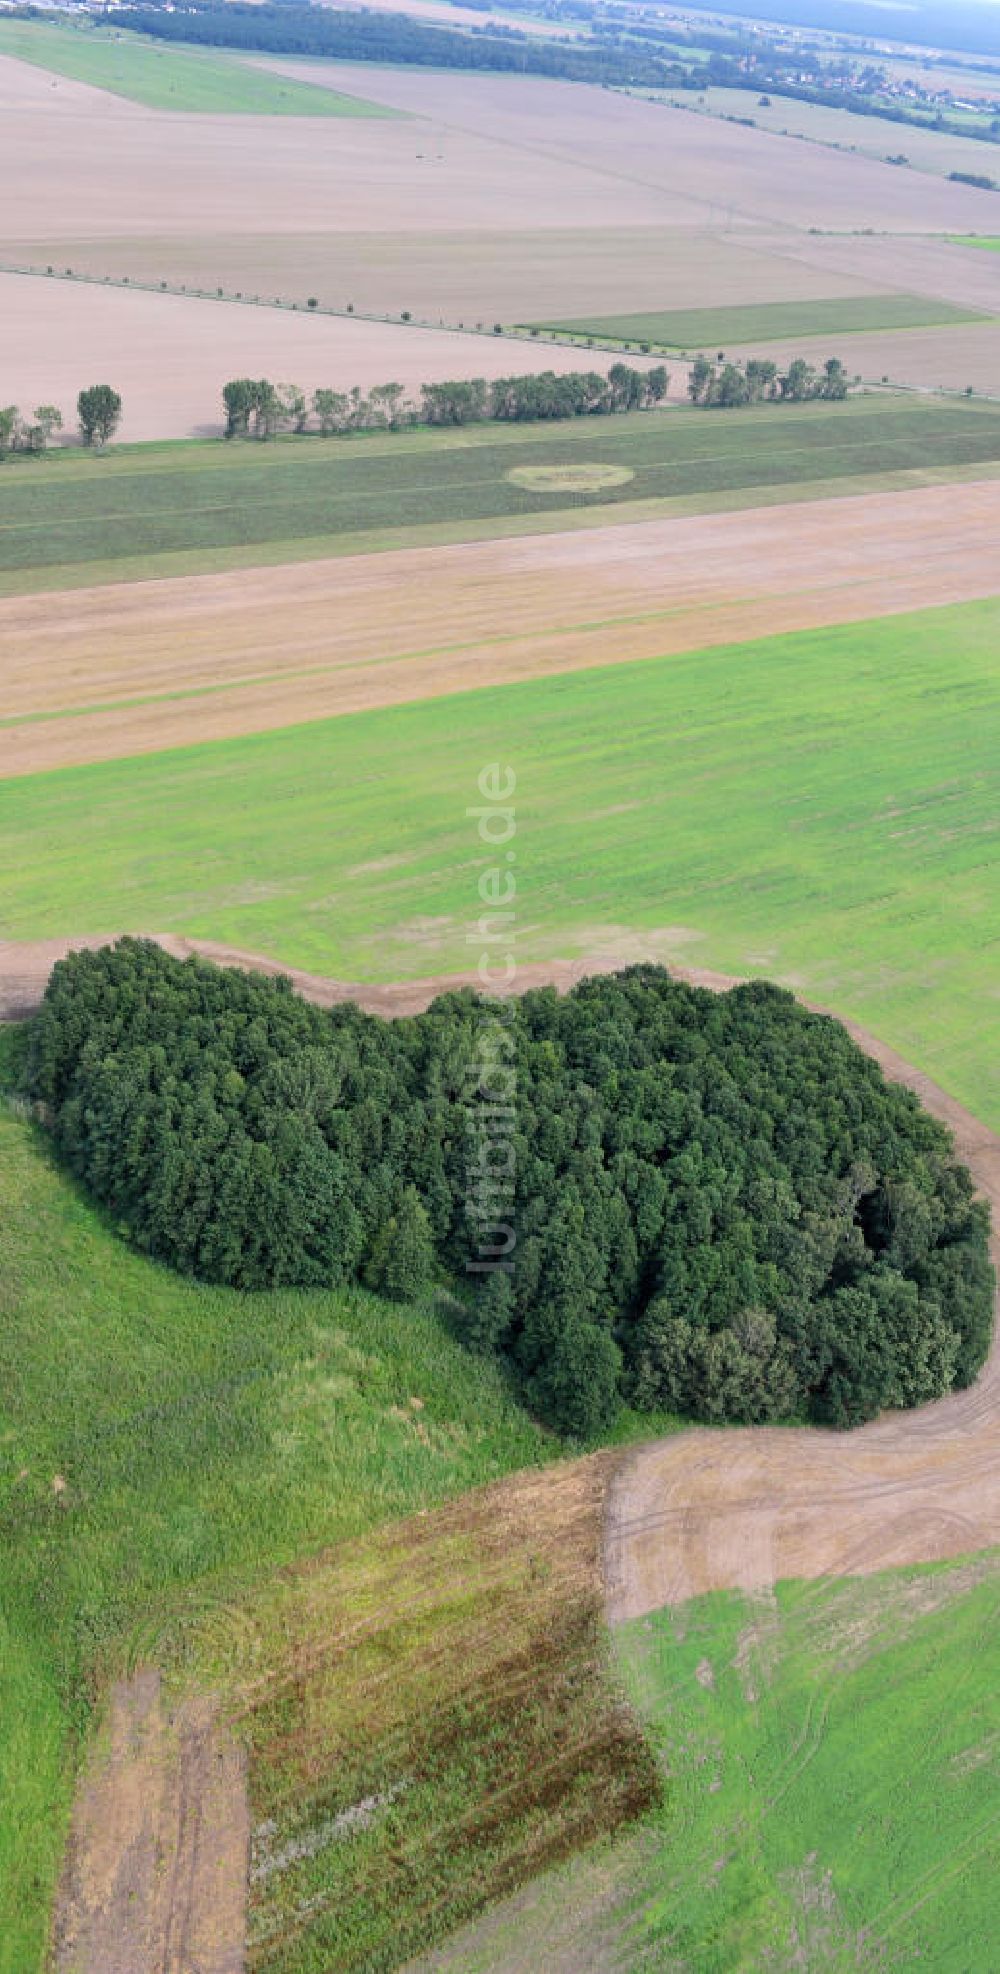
(134, 668)
(749, 807)
(171, 354)
(497, 198)
(927, 150)
(78, 518)
(967, 355)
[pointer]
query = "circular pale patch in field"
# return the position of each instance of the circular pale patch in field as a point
(580, 476)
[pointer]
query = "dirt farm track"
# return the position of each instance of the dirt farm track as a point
(713, 1510)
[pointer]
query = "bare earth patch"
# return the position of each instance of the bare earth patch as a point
(156, 1872)
(122, 669)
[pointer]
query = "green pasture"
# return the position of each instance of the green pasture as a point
(726, 328)
(829, 1754)
(75, 517)
(974, 240)
(168, 78)
(204, 1437)
(821, 806)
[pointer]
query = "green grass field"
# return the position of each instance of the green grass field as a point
(725, 328)
(204, 1437)
(830, 1759)
(973, 240)
(167, 78)
(75, 517)
(819, 806)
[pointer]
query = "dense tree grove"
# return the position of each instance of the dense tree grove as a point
(256, 408)
(720, 1206)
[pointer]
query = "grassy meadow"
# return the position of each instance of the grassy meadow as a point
(168, 78)
(788, 1836)
(163, 1448)
(819, 806)
(724, 328)
(76, 517)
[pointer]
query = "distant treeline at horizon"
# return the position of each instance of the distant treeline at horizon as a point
(287, 27)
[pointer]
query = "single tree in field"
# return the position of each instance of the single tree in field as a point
(238, 398)
(331, 410)
(48, 419)
(762, 378)
(834, 383)
(409, 1258)
(292, 408)
(387, 404)
(799, 381)
(99, 410)
(10, 425)
(701, 380)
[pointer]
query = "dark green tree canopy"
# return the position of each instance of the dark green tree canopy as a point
(720, 1205)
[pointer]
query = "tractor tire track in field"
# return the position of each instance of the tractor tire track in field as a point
(733, 1509)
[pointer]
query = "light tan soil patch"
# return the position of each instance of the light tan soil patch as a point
(577, 478)
(156, 1872)
(307, 641)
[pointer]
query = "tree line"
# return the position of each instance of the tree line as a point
(257, 408)
(760, 381)
(289, 28)
(98, 410)
(720, 1205)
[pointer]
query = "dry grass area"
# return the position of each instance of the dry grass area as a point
(94, 674)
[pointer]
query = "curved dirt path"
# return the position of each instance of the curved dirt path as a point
(738, 1509)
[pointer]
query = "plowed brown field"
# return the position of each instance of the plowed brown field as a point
(93, 674)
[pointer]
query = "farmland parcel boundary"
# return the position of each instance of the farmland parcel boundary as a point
(725, 327)
(718, 749)
(74, 518)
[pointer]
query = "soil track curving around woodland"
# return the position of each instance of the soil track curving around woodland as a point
(738, 1509)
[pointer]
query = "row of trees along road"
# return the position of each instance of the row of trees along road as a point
(719, 1205)
(98, 411)
(256, 408)
(759, 381)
